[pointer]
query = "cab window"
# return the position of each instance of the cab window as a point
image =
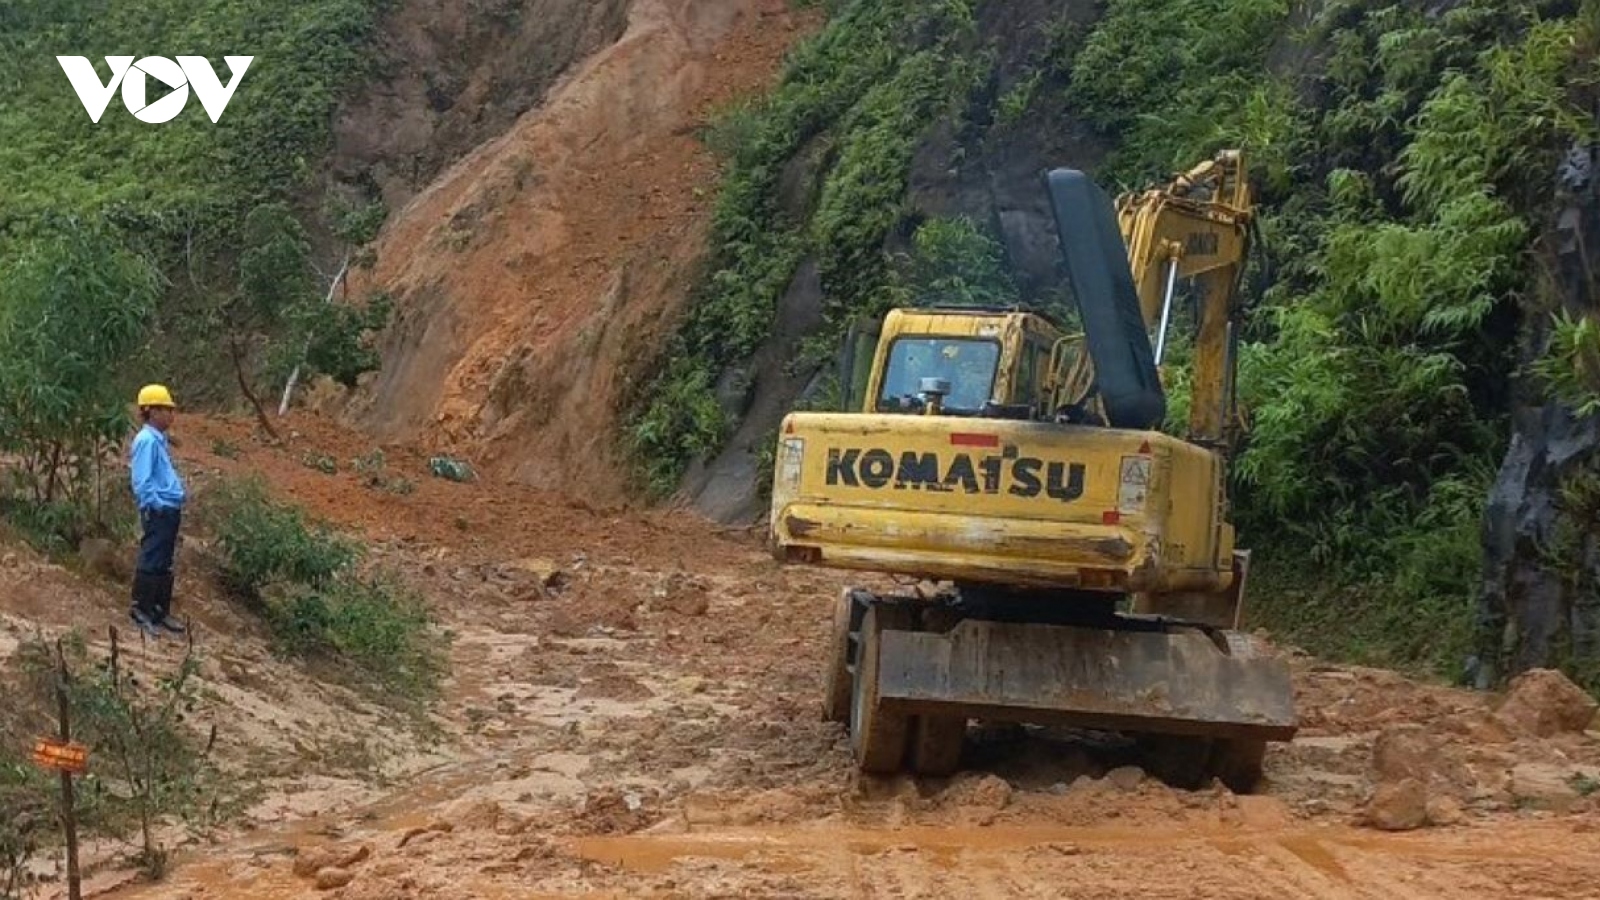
(969, 364)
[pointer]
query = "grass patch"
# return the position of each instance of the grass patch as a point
(1370, 623)
(375, 623)
(56, 528)
(307, 583)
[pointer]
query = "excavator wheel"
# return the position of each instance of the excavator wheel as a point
(877, 737)
(1238, 763)
(936, 744)
(936, 741)
(838, 684)
(1191, 762)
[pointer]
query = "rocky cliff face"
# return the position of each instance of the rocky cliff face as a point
(1541, 596)
(451, 76)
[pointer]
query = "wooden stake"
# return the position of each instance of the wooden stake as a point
(69, 813)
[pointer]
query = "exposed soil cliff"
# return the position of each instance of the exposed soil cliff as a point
(451, 76)
(539, 273)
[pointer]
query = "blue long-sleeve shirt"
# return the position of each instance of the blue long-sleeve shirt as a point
(156, 484)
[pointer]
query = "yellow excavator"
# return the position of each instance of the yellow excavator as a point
(1085, 568)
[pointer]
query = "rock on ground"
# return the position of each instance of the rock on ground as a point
(315, 860)
(1399, 806)
(1405, 751)
(1544, 702)
(1444, 811)
(331, 878)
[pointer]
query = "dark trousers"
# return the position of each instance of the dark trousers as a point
(152, 580)
(160, 540)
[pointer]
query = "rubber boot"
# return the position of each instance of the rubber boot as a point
(145, 610)
(163, 594)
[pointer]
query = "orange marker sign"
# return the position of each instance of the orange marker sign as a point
(49, 753)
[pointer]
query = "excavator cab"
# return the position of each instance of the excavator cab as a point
(961, 370)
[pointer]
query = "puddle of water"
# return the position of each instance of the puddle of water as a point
(1316, 855)
(481, 889)
(658, 855)
(236, 880)
(1414, 845)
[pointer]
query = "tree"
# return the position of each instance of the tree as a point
(77, 304)
(337, 348)
(275, 287)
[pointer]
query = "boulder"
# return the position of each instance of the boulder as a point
(1545, 786)
(1544, 702)
(1126, 778)
(1399, 806)
(1404, 751)
(1444, 811)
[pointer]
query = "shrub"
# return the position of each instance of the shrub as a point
(265, 543)
(375, 624)
(74, 304)
(303, 579)
(340, 346)
(151, 762)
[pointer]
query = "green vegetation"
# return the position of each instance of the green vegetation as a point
(1404, 157)
(151, 764)
(305, 582)
(1175, 80)
(189, 175)
(952, 261)
(1381, 399)
(1402, 184)
(340, 345)
(73, 309)
(1571, 365)
(1402, 178)
(186, 198)
(854, 100)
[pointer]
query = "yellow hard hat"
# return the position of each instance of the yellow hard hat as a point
(155, 395)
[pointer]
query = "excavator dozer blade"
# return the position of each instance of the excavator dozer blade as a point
(1182, 682)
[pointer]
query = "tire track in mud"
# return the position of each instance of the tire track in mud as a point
(646, 726)
(1327, 863)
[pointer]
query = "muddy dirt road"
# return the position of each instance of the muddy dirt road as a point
(633, 713)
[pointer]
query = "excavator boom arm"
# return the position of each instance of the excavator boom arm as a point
(1195, 229)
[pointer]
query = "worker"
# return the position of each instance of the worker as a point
(160, 495)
